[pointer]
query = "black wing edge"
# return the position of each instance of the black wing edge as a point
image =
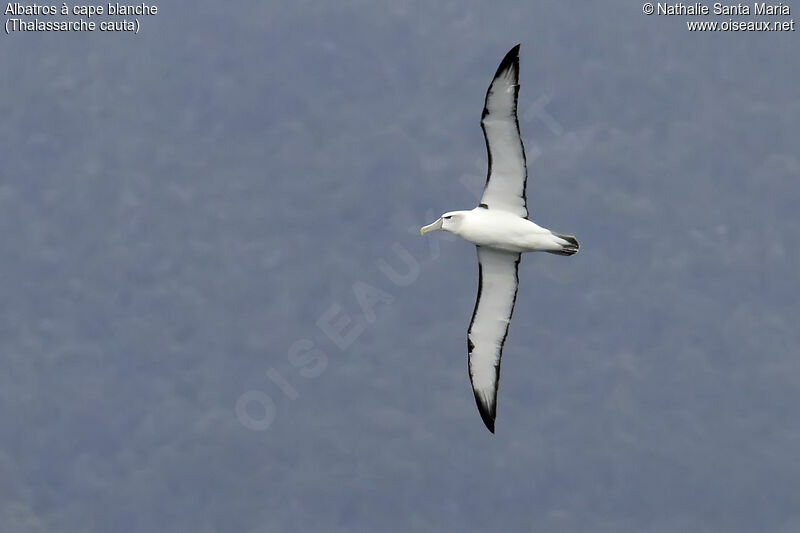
(488, 413)
(487, 409)
(510, 61)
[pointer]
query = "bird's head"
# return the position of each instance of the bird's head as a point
(448, 222)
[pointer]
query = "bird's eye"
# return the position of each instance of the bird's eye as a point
(448, 218)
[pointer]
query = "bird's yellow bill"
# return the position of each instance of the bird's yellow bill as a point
(431, 227)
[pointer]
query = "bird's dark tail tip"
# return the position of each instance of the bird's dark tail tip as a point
(571, 247)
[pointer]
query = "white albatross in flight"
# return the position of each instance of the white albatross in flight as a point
(501, 231)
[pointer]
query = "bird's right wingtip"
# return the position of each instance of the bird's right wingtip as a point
(486, 408)
(488, 421)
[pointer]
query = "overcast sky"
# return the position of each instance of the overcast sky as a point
(217, 314)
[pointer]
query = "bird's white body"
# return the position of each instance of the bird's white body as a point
(503, 230)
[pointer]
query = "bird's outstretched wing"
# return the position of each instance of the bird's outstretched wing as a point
(497, 292)
(505, 182)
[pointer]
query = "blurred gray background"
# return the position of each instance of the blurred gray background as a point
(181, 209)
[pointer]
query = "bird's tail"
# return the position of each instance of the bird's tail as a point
(569, 244)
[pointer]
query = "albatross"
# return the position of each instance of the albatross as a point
(501, 231)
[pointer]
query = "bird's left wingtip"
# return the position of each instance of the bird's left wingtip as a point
(514, 52)
(509, 63)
